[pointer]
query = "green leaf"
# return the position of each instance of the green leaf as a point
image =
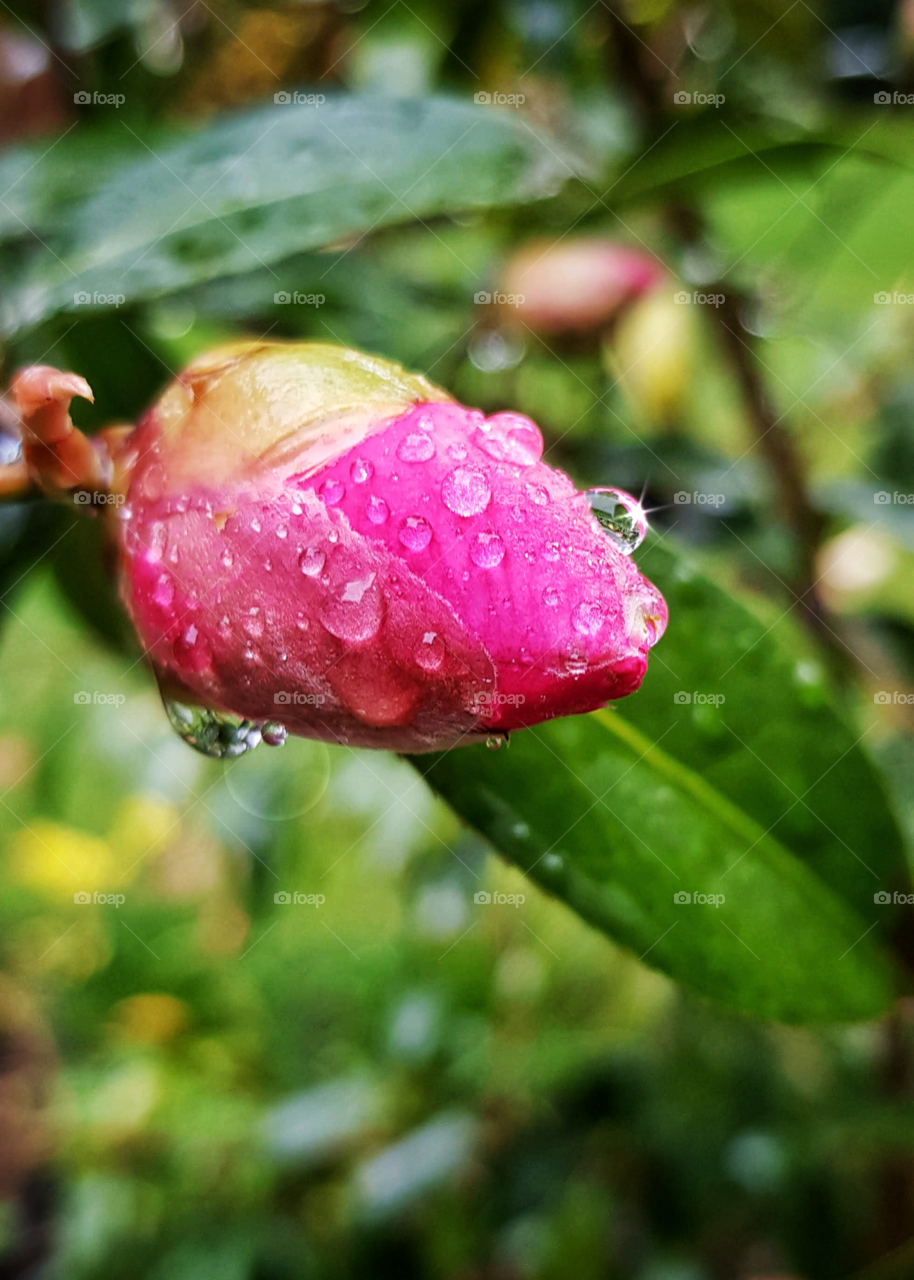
(613, 825)
(254, 188)
(776, 746)
(754, 788)
(710, 150)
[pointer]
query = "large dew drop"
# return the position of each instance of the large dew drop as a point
(620, 516)
(218, 734)
(510, 437)
(466, 491)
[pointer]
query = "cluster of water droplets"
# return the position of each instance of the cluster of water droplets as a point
(218, 734)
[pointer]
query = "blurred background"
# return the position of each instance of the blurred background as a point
(200, 1081)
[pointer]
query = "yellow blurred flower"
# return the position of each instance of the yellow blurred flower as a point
(60, 860)
(143, 827)
(151, 1018)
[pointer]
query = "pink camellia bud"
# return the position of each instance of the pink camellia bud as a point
(314, 541)
(576, 284)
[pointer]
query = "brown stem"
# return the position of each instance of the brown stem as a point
(780, 452)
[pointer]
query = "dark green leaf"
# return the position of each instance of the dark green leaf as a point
(255, 188)
(775, 747)
(615, 827)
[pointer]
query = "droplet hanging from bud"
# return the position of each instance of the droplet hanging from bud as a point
(219, 735)
(620, 516)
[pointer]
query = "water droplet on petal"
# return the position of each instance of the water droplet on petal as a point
(537, 494)
(588, 617)
(152, 482)
(415, 533)
(430, 653)
(551, 597)
(190, 651)
(312, 561)
(620, 516)
(551, 552)
(510, 437)
(332, 491)
(214, 733)
(377, 510)
(576, 664)
(356, 613)
(416, 447)
(361, 471)
(466, 491)
(282, 532)
(496, 741)
(163, 592)
(487, 550)
(253, 624)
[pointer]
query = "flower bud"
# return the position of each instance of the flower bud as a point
(316, 538)
(576, 284)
